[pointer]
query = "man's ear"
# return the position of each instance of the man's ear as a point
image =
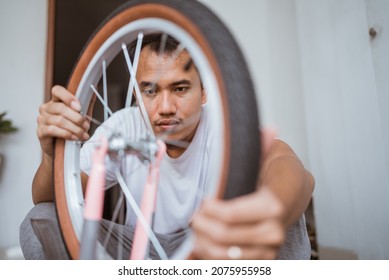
(203, 96)
(134, 99)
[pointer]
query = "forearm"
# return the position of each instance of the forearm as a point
(284, 174)
(42, 185)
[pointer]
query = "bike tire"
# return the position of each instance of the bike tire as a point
(240, 113)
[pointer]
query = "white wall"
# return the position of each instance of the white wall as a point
(345, 90)
(377, 18)
(22, 69)
(266, 31)
(324, 84)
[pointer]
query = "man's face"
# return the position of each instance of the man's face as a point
(171, 94)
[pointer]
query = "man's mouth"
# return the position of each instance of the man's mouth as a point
(168, 124)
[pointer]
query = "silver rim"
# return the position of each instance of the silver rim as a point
(107, 52)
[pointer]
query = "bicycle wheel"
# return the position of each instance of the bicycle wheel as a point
(224, 76)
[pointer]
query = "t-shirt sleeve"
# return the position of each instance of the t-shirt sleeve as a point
(88, 149)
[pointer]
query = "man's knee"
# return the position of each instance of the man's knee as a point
(40, 237)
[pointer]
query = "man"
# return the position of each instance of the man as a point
(267, 224)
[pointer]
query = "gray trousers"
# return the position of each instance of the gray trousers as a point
(40, 237)
(39, 234)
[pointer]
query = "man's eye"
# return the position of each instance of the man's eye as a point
(150, 91)
(181, 89)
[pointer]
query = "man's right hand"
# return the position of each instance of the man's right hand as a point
(60, 117)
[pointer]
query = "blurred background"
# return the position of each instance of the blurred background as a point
(321, 73)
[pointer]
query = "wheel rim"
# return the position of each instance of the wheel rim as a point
(69, 151)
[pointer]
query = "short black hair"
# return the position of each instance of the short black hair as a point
(157, 42)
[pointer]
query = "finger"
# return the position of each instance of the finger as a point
(46, 121)
(55, 131)
(245, 209)
(61, 109)
(267, 233)
(64, 123)
(206, 249)
(61, 94)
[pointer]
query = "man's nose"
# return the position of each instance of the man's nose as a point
(167, 105)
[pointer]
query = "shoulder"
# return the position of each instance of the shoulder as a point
(123, 119)
(124, 114)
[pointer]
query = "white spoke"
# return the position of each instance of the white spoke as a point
(176, 143)
(175, 54)
(135, 64)
(105, 90)
(101, 99)
(93, 120)
(137, 91)
(110, 186)
(114, 216)
(98, 123)
(140, 216)
(162, 45)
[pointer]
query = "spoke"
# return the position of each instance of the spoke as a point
(132, 71)
(99, 123)
(106, 108)
(175, 54)
(121, 232)
(117, 211)
(137, 91)
(176, 143)
(162, 45)
(140, 216)
(93, 120)
(110, 186)
(119, 255)
(114, 217)
(135, 64)
(105, 90)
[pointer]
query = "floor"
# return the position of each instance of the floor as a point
(11, 253)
